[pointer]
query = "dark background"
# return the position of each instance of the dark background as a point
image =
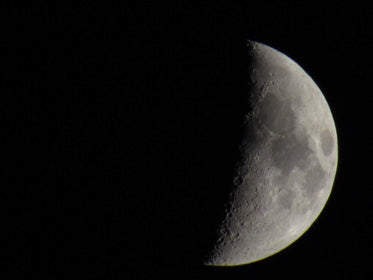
(121, 123)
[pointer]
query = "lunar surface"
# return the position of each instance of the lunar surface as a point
(288, 163)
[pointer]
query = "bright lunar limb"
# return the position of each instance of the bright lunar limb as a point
(288, 165)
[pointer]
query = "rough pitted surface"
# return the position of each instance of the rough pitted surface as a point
(289, 160)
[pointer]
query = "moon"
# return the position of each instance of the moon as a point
(288, 162)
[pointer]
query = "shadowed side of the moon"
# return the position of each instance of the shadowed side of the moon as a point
(200, 176)
(216, 183)
(183, 173)
(138, 178)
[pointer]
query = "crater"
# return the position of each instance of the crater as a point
(276, 114)
(327, 143)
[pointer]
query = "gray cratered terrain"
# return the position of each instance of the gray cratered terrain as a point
(289, 160)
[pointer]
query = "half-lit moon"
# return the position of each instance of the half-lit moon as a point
(289, 161)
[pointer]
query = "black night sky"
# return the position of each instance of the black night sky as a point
(121, 124)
